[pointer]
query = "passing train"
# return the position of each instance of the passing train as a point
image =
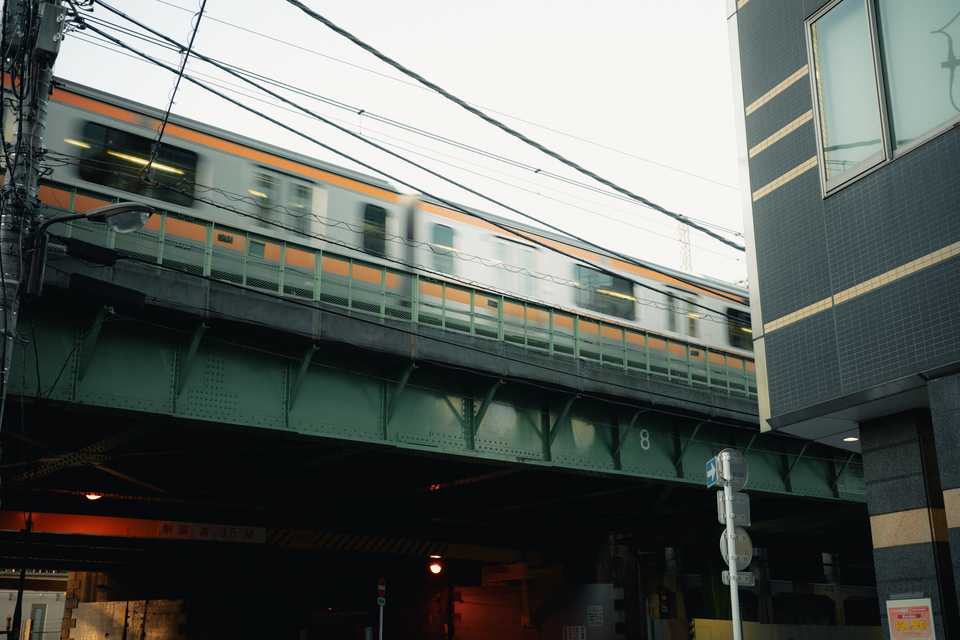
(99, 145)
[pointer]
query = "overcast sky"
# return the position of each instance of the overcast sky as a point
(648, 79)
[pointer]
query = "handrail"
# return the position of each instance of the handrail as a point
(308, 273)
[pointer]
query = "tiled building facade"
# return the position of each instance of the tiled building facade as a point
(851, 140)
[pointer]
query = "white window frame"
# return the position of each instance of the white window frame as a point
(890, 153)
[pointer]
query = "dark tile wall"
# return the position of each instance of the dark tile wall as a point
(900, 467)
(809, 247)
(944, 396)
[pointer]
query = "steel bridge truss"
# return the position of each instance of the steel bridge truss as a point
(101, 359)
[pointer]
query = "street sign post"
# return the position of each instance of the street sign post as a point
(744, 578)
(713, 474)
(728, 470)
(743, 545)
(381, 602)
(741, 509)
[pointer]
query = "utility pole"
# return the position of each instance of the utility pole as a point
(30, 40)
(32, 32)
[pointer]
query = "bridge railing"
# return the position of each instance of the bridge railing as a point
(365, 287)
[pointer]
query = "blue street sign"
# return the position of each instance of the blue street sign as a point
(713, 477)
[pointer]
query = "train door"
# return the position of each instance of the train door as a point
(516, 266)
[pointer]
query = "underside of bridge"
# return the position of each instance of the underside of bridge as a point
(243, 451)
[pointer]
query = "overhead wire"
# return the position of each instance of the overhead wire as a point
(173, 94)
(523, 233)
(510, 130)
(404, 126)
(228, 86)
(416, 85)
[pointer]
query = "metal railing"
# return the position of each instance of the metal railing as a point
(307, 273)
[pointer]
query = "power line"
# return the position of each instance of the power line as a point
(511, 131)
(415, 85)
(369, 167)
(173, 94)
(404, 126)
(451, 205)
(227, 86)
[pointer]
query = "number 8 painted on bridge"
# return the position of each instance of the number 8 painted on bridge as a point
(644, 439)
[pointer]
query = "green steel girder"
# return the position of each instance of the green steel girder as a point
(140, 368)
(302, 372)
(88, 345)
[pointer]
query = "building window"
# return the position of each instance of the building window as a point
(883, 77)
(122, 160)
(605, 293)
(374, 229)
(441, 242)
(917, 40)
(848, 105)
(739, 333)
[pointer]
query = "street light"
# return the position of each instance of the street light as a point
(123, 218)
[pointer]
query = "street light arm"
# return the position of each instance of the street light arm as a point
(123, 217)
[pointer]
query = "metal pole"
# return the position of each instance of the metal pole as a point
(732, 564)
(19, 196)
(380, 627)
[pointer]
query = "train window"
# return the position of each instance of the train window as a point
(257, 249)
(517, 264)
(693, 319)
(300, 206)
(738, 329)
(264, 191)
(441, 243)
(117, 159)
(374, 229)
(605, 293)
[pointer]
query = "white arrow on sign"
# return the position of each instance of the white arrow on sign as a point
(712, 477)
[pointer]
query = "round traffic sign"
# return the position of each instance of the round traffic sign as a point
(733, 468)
(744, 548)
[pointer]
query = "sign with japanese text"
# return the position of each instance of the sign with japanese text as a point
(911, 619)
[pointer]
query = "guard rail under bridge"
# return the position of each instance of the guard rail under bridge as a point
(175, 322)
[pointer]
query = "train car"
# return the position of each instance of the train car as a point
(259, 210)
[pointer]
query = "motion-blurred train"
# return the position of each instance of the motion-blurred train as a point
(257, 195)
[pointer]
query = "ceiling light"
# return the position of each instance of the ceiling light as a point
(92, 496)
(77, 143)
(851, 439)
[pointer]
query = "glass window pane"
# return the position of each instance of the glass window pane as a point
(739, 333)
(845, 81)
(300, 206)
(918, 40)
(442, 244)
(120, 159)
(374, 229)
(605, 293)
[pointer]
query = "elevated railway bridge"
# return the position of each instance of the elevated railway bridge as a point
(266, 406)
